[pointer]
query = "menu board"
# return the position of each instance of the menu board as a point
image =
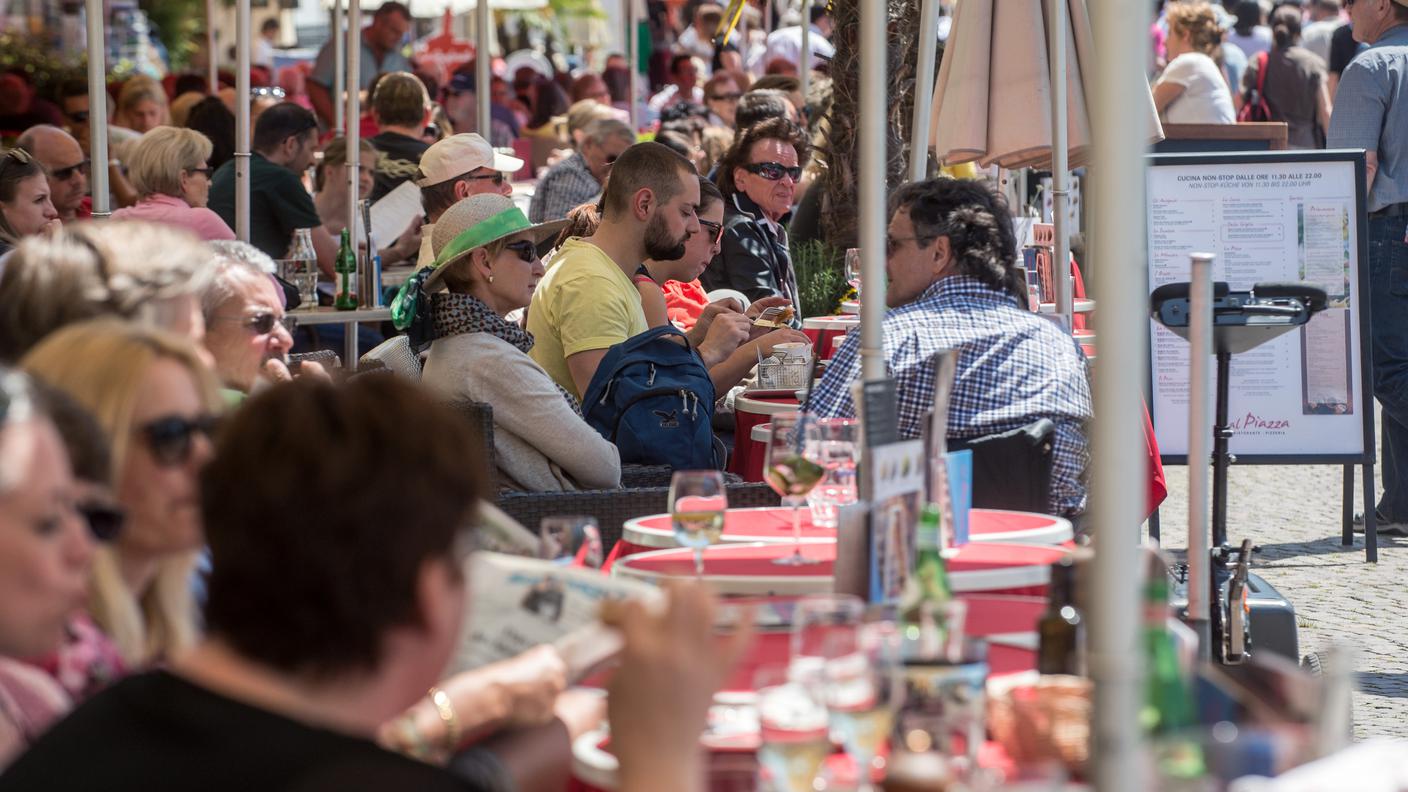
(1268, 217)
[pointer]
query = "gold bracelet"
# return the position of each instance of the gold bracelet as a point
(446, 708)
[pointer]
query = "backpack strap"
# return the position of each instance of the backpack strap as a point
(1261, 60)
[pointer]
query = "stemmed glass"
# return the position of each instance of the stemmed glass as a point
(792, 468)
(566, 539)
(853, 269)
(792, 724)
(698, 501)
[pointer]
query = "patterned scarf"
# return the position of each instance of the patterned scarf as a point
(457, 314)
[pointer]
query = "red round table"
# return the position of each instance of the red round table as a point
(773, 524)
(748, 569)
(748, 412)
(821, 329)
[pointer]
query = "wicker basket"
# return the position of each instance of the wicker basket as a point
(1045, 721)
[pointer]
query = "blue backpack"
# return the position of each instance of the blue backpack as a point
(653, 398)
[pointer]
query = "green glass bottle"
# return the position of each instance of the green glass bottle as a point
(1168, 702)
(346, 268)
(927, 593)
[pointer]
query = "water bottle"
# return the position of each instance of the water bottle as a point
(302, 267)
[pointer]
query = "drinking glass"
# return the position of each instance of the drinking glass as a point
(792, 724)
(792, 468)
(566, 539)
(698, 501)
(824, 625)
(853, 269)
(864, 688)
(836, 446)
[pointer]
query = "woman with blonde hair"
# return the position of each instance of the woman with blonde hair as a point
(169, 167)
(1192, 89)
(157, 401)
(141, 105)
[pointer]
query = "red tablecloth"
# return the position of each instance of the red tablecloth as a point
(748, 569)
(749, 411)
(822, 329)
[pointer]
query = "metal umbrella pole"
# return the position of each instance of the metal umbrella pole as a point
(483, 56)
(924, 89)
(1199, 353)
(242, 155)
(339, 69)
(1060, 174)
(353, 116)
(1118, 455)
(98, 109)
(212, 66)
(873, 141)
(804, 65)
(633, 65)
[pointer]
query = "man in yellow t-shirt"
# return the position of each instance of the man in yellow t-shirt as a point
(586, 303)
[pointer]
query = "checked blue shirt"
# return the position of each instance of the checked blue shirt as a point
(1013, 368)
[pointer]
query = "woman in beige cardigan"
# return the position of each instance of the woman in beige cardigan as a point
(486, 259)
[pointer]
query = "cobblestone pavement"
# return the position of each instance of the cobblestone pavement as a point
(1294, 514)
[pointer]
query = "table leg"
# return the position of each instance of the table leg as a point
(349, 347)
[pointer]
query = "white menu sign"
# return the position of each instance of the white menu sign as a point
(1265, 221)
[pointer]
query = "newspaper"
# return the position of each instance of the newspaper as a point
(518, 603)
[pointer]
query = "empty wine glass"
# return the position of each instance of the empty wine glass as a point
(791, 467)
(837, 453)
(792, 724)
(853, 269)
(698, 501)
(570, 539)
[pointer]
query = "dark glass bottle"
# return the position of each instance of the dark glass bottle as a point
(346, 267)
(1061, 628)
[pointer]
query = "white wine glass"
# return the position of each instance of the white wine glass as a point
(698, 501)
(792, 467)
(864, 688)
(853, 269)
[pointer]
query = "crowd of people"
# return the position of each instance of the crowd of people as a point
(192, 524)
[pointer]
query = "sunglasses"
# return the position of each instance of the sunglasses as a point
(78, 116)
(64, 174)
(716, 230)
(525, 249)
(263, 323)
(727, 97)
(104, 520)
(207, 172)
(774, 171)
(497, 177)
(171, 439)
(893, 243)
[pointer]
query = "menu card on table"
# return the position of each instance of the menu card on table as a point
(897, 474)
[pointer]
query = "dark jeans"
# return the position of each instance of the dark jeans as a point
(1388, 301)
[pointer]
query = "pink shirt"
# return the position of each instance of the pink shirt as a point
(170, 210)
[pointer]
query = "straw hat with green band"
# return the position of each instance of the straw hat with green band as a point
(472, 223)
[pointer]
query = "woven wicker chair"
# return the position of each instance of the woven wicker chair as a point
(326, 358)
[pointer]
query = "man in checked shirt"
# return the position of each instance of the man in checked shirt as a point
(949, 256)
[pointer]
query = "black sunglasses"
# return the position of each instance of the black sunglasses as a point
(104, 520)
(207, 172)
(263, 323)
(774, 171)
(497, 177)
(525, 249)
(78, 116)
(726, 97)
(172, 438)
(64, 174)
(716, 230)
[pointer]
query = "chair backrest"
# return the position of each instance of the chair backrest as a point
(326, 358)
(395, 353)
(1012, 469)
(481, 419)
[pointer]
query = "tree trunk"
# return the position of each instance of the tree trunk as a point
(840, 148)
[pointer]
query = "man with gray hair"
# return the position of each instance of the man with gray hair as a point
(580, 177)
(246, 330)
(66, 167)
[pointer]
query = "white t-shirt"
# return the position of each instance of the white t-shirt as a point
(1205, 98)
(1259, 40)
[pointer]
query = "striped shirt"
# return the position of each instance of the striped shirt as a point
(565, 186)
(1013, 368)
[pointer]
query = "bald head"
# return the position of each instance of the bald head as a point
(63, 163)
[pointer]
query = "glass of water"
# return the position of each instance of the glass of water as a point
(698, 501)
(793, 726)
(836, 452)
(569, 540)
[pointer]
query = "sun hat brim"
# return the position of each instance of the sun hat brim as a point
(510, 222)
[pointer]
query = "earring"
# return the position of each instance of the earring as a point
(491, 278)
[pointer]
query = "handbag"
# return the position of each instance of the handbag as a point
(1254, 106)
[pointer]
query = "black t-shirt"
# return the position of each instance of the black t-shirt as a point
(278, 204)
(156, 732)
(397, 159)
(1343, 48)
